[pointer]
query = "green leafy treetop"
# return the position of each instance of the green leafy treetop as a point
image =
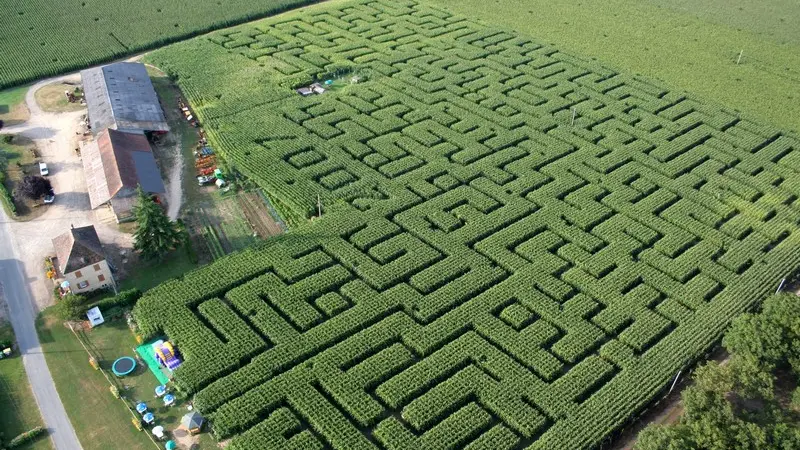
(733, 405)
(155, 234)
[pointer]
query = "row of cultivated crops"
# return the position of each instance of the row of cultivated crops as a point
(516, 245)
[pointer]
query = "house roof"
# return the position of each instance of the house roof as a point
(78, 248)
(121, 96)
(116, 163)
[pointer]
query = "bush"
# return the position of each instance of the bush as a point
(122, 300)
(28, 436)
(7, 138)
(71, 307)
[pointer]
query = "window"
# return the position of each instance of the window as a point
(83, 284)
(78, 274)
(97, 267)
(101, 277)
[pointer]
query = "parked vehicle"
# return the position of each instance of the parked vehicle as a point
(205, 179)
(43, 170)
(49, 198)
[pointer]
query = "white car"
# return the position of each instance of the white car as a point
(49, 198)
(43, 170)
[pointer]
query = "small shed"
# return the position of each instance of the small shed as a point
(193, 422)
(95, 316)
(305, 91)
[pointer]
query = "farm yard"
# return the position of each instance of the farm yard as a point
(219, 221)
(517, 246)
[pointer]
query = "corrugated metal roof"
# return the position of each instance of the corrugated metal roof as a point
(116, 163)
(147, 172)
(96, 181)
(121, 96)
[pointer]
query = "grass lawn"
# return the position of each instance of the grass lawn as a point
(18, 409)
(12, 106)
(150, 274)
(100, 420)
(51, 98)
(682, 49)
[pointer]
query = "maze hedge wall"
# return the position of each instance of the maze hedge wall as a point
(487, 273)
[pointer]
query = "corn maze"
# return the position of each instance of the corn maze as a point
(518, 248)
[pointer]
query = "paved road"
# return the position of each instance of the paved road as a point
(16, 293)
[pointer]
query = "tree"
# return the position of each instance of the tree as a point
(155, 234)
(734, 405)
(71, 307)
(34, 187)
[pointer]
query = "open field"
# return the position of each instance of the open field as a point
(517, 246)
(774, 19)
(683, 51)
(43, 38)
(18, 410)
(100, 420)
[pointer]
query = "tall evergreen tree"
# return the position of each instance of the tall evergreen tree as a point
(155, 234)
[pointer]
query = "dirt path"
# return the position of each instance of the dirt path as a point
(174, 183)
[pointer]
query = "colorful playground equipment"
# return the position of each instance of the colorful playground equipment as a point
(123, 366)
(166, 355)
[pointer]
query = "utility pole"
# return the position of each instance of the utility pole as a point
(573, 118)
(739, 59)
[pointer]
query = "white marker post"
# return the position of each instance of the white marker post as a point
(739, 59)
(674, 382)
(780, 286)
(573, 118)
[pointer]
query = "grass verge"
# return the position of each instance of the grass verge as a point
(12, 106)
(18, 409)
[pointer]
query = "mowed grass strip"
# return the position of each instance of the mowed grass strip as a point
(12, 106)
(18, 409)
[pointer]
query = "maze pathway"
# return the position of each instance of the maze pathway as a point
(519, 247)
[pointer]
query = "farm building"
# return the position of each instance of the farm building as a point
(115, 164)
(120, 96)
(81, 260)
